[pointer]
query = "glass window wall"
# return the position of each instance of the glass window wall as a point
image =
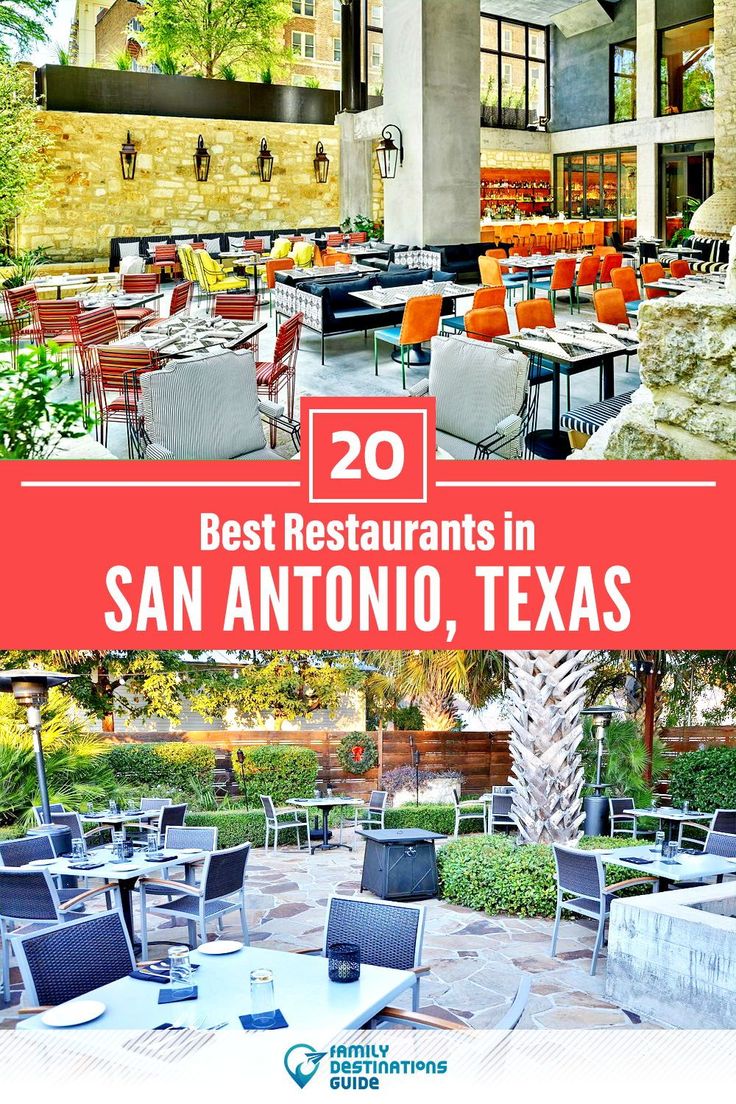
(686, 68)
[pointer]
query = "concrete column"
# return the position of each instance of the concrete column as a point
(432, 92)
(356, 168)
(647, 85)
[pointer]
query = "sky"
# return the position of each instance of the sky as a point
(58, 34)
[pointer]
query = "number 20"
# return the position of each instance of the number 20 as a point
(343, 468)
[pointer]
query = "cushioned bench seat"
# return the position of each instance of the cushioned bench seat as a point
(587, 420)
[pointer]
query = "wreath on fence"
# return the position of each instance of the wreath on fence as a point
(357, 753)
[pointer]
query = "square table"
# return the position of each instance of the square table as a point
(400, 863)
(670, 817)
(328, 272)
(326, 804)
(126, 878)
(61, 283)
(183, 342)
(121, 300)
(686, 868)
(302, 989)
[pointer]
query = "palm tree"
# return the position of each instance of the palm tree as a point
(547, 692)
(433, 678)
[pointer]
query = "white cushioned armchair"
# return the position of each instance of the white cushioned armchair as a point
(209, 409)
(483, 402)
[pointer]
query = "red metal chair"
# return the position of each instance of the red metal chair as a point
(335, 239)
(358, 238)
(181, 297)
(90, 329)
(114, 364)
(279, 372)
(243, 308)
(54, 319)
(253, 245)
(145, 283)
(19, 323)
(165, 259)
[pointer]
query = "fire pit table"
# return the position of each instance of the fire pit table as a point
(400, 863)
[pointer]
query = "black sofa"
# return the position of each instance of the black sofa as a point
(461, 260)
(330, 308)
(144, 242)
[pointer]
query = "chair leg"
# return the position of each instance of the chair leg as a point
(556, 929)
(6, 962)
(144, 927)
(403, 366)
(375, 354)
(598, 942)
(244, 924)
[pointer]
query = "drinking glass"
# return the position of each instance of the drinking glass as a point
(262, 1000)
(113, 808)
(669, 852)
(180, 968)
(78, 850)
(658, 842)
(90, 809)
(686, 806)
(118, 846)
(151, 842)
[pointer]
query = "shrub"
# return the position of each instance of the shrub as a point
(281, 770)
(706, 778)
(495, 875)
(11, 832)
(434, 818)
(235, 826)
(182, 767)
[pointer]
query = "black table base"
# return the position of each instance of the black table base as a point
(416, 357)
(324, 836)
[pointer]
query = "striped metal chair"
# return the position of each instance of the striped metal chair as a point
(31, 897)
(139, 283)
(90, 329)
(280, 372)
(181, 298)
(54, 322)
(581, 888)
(242, 308)
(111, 388)
(165, 259)
(68, 961)
(19, 323)
(221, 890)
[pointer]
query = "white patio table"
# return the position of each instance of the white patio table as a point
(685, 868)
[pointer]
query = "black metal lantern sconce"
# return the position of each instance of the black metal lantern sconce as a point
(128, 157)
(321, 164)
(265, 162)
(389, 155)
(201, 161)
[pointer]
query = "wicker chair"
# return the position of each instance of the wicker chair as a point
(32, 897)
(499, 812)
(467, 810)
(402, 1017)
(619, 812)
(371, 817)
(20, 852)
(153, 804)
(387, 933)
(54, 807)
(723, 820)
(73, 822)
(722, 844)
(581, 888)
(223, 878)
(172, 816)
(204, 839)
(64, 963)
(299, 819)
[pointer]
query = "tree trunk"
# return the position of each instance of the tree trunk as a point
(547, 692)
(108, 722)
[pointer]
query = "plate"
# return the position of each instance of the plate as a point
(77, 1012)
(220, 947)
(42, 862)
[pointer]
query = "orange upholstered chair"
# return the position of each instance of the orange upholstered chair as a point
(499, 254)
(420, 323)
(556, 235)
(333, 257)
(650, 273)
(484, 297)
(587, 277)
(604, 250)
(611, 261)
(535, 312)
(490, 271)
(588, 235)
(280, 264)
(610, 307)
(625, 280)
(678, 269)
(486, 323)
(317, 259)
(573, 235)
(562, 279)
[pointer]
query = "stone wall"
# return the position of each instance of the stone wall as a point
(91, 203)
(111, 30)
(514, 159)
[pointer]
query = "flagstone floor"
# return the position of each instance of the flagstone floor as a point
(475, 959)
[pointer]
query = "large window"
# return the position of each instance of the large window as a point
(686, 63)
(303, 7)
(686, 181)
(302, 44)
(623, 82)
(599, 185)
(513, 73)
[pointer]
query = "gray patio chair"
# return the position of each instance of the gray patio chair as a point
(723, 820)
(402, 1017)
(499, 812)
(19, 852)
(619, 813)
(31, 897)
(172, 816)
(296, 818)
(223, 878)
(388, 934)
(54, 807)
(467, 814)
(65, 962)
(722, 844)
(204, 839)
(371, 817)
(153, 804)
(73, 822)
(581, 888)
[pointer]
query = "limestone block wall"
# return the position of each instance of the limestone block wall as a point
(91, 203)
(514, 159)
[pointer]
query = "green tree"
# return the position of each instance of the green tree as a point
(431, 679)
(203, 35)
(24, 162)
(23, 22)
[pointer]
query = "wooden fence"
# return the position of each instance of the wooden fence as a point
(482, 757)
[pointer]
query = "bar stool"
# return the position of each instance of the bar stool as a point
(523, 235)
(556, 235)
(573, 234)
(588, 235)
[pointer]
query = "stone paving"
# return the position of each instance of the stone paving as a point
(475, 959)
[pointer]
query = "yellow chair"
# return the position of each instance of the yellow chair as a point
(185, 254)
(212, 276)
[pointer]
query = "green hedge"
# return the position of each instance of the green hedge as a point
(491, 874)
(705, 778)
(11, 832)
(179, 766)
(433, 818)
(281, 770)
(236, 826)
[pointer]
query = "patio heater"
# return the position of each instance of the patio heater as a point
(31, 689)
(596, 805)
(240, 755)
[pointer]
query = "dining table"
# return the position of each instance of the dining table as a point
(580, 348)
(679, 285)
(303, 993)
(325, 805)
(180, 339)
(63, 283)
(390, 298)
(649, 862)
(102, 863)
(119, 300)
(670, 819)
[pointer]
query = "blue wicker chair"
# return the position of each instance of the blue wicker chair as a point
(581, 888)
(73, 822)
(221, 890)
(387, 933)
(31, 897)
(54, 807)
(204, 839)
(619, 813)
(19, 852)
(65, 962)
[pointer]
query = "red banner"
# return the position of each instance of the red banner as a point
(368, 540)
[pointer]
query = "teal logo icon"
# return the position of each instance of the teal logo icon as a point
(302, 1062)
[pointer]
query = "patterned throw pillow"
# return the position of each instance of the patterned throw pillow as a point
(212, 245)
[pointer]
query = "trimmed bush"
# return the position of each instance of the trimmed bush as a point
(11, 832)
(235, 826)
(433, 818)
(492, 874)
(281, 770)
(705, 778)
(183, 767)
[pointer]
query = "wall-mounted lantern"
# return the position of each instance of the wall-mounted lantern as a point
(128, 157)
(265, 162)
(321, 164)
(389, 155)
(201, 161)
